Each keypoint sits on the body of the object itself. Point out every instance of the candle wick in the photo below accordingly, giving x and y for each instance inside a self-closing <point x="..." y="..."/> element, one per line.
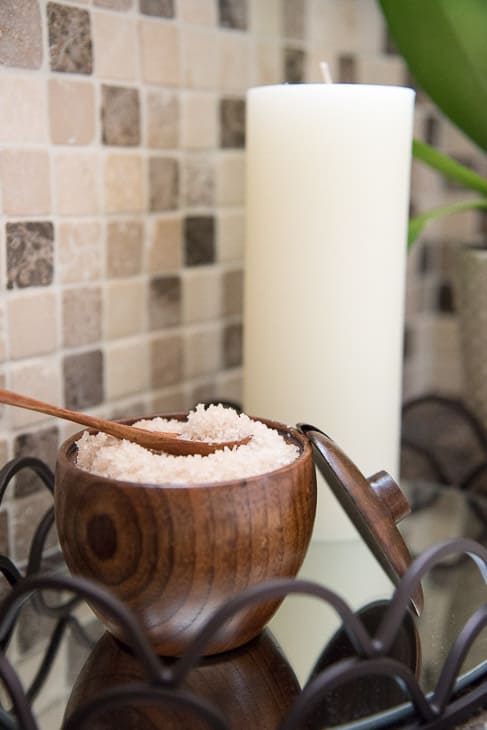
<point x="325" y="70"/>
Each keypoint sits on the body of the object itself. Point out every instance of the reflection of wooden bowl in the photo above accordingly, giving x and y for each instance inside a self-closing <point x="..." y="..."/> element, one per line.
<point x="173" y="554"/>
<point x="253" y="687"/>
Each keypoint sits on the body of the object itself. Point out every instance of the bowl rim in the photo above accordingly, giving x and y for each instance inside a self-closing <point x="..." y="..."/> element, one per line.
<point x="66" y="450"/>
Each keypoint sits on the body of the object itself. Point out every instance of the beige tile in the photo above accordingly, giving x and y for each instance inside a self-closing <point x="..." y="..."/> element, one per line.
<point x="32" y="322"/>
<point x="79" y="248"/>
<point x="230" y="236"/>
<point x="229" y="386"/>
<point x="199" y="120"/>
<point x="202" y="351"/>
<point x="25" y="181"/>
<point x="82" y="315"/>
<point x="198" y="181"/>
<point x="166" y="360"/>
<point x="230" y="178"/>
<point x="267" y="68"/>
<point x="125" y="307"/>
<point x="159" y="52"/>
<point x="172" y="402"/>
<point x="265" y="17"/>
<point x="374" y="69"/>
<point x="21" y="38"/>
<point x="115" y="46"/>
<point x="162" y="119"/>
<point x="165" y="251"/>
<point x="201" y="295"/>
<point x="234" y="61"/>
<point x="76" y="183"/>
<point x="71" y="111"/>
<point x="125" y="241"/>
<point x="41" y="379"/>
<point x="3" y="335"/>
<point x="124" y="183"/>
<point x="200" y="58"/>
<point x="197" y="12"/>
<point x="23" y="117"/>
<point x="127" y="368"/>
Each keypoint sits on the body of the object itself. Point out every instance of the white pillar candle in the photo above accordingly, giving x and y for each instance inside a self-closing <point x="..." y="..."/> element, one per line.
<point x="328" y="179"/>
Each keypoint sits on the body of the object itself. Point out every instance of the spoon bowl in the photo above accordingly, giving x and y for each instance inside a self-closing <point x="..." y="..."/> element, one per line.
<point x="153" y="440"/>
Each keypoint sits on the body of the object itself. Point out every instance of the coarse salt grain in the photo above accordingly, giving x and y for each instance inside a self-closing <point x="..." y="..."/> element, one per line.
<point x="266" y="451"/>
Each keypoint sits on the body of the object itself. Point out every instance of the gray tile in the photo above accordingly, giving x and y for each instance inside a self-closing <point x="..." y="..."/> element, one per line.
<point x="232" y="122"/>
<point x="114" y="4"/>
<point x="70" y="44"/>
<point x="83" y="379"/>
<point x="165" y="302"/>
<point x="293" y="19"/>
<point x="41" y="444"/>
<point x="294" y="65"/>
<point x="82" y="316"/>
<point x="166" y="361"/>
<point x="21" y="37"/>
<point x="347" y="69"/>
<point x="157" y="8"/>
<point x="232" y="345"/>
<point x="233" y="14"/>
<point x="33" y="628"/>
<point x="30" y="254"/>
<point x="4" y="541"/>
<point x="77" y="652"/>
<point x="233" y="292"/>
<point x="199" y="240"/>
<point x="163" y="183"/>
<point x="120" y="115"/>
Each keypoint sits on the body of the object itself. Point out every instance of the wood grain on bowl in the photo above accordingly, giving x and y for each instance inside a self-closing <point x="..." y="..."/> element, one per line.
<point x="174" y="554"/>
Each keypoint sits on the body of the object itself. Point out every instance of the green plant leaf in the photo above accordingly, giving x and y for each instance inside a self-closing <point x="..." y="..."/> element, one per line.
<point x="444" y="43"/>
<point x="417" y="223"/>
<point x="449" y="168"/>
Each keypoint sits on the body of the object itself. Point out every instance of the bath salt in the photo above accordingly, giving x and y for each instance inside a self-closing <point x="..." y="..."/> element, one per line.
<point x="119" y="459"/>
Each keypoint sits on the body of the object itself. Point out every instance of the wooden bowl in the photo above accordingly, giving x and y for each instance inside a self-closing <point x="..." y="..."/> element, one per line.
<point x="174" y="553"/>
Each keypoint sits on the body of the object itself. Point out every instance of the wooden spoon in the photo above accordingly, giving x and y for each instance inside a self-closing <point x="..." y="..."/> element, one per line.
<point x="155" y="440"/>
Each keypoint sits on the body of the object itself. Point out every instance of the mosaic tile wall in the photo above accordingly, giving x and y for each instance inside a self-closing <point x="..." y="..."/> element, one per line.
<point x="122" y="134"/>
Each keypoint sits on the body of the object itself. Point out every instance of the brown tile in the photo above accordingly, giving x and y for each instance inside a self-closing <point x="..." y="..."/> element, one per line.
<point x="232" y="122"/>
<point x="163" y="183"/>
<point x="232" y="345"/>
<point x="70" y="47"/>
<point x="76" y="175"/>
<point x="166" y="360"/>
<point x="165" y="252"/>
<point x="71" y="111"/>
<point x="157" y="8"/>
<point x="114" y="4"/>
<point x="115" y="46"/>
<point x="120" y="116"/>
<point x="199" y="240"/>
<point x="125" y="240"/>
<point x="79" y="248"/>
<point x="233" y="292"/>
<point x="124" y="183"/>
<point x="198" y="182"/>
<point x="21" y="38"/>
<point x="294" y="65"/>
<point x="159" y="52"/>
<point x="164" y="302"/>
<point x="32" y="319"/>
<point x="25" y="179"/>
<point x="347" y="69"/>
<point x="43" y="445"/>
<point x="23" y="117"/>
<point x="83" y="379"/>
<point x="30" y="254"/>
<point x="4" y="541"/>
<point x="162" y="119"/>
<point x="82" y="313"/>
<point x="4" y="452"/>
<point x="233" y="14"/>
